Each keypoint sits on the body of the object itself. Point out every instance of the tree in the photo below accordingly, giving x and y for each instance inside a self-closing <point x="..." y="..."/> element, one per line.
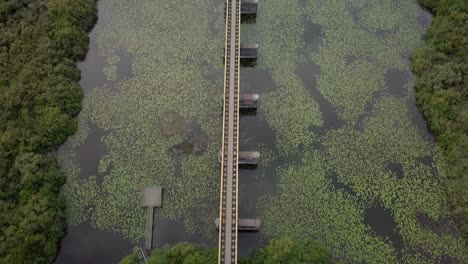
<point x="441" y="68"/>
<point x="278" y="251"/>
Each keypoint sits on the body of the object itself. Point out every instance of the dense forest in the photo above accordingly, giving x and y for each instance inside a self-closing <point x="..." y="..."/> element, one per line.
<point x="441" y="68"/>
<point x="40" y="41"/>
<point x="278" y="250"/>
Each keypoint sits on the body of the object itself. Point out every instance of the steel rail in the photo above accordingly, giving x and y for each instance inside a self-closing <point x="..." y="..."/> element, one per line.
<point x="229" y="162"/>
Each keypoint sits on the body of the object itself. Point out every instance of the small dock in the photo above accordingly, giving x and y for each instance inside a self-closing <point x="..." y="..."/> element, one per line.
<point x="245" y="225"/>
<point x="150" y="198"/>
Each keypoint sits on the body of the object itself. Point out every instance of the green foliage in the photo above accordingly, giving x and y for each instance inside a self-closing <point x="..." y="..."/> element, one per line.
<point x="184" y="253"/>
<point x="441" y="67"/>
<point x="278" y="250"/>
<point x="131" y="259"/>
<point x="39" y="99"/>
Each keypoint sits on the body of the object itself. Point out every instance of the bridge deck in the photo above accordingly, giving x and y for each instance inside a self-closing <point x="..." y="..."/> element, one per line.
<point x="229" y="173"/>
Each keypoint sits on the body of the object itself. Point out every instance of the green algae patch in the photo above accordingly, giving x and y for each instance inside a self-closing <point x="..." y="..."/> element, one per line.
<point x="146" y="115"/>
<point x="378" y="34"/>
<point x="379" y="154"/>
<point x="360" y="159"/>
<point x="308" y="206"/>
<point x="289" y="110"/>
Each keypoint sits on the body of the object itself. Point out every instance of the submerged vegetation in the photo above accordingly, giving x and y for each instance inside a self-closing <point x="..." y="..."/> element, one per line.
<point x="278" y="250"/>
<point x="441" y="67"/>
<point x="39" y="99"/>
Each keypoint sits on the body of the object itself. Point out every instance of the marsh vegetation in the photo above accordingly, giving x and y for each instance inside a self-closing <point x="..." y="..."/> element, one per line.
<point x="331" y="181"/>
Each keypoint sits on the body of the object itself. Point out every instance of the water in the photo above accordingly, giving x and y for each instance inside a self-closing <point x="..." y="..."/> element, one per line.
<point x="337" y="125"/>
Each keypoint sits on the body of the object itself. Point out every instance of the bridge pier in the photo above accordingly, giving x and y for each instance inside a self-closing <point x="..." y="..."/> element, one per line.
<point x="244" y="224"/>
<point x="247" y="101"/>
<point x="248" y="54"/>
<point x="246" y="159"/>
<point x="248" y="8"/>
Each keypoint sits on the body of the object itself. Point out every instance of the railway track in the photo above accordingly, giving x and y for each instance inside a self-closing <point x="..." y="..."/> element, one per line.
<point x="230" y="142"/>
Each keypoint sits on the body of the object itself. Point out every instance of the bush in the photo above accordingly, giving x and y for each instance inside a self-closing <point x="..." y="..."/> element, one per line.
<point x="279" y="250"/>
<point x="441" y="68"/>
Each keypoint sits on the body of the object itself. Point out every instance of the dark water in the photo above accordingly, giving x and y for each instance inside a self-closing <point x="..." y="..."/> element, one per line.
<point x="94" y="149"/>
<point x="85" y="244"/>
<point x="331" y="120"/>
<point x="382" y="223"/>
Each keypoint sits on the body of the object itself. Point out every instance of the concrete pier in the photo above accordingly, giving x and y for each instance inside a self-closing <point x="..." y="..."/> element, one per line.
<point x="245" y="157"/>
<point x="245" y="225"/>
<point x="247" y="101"/>
<point x="248" y="51"/>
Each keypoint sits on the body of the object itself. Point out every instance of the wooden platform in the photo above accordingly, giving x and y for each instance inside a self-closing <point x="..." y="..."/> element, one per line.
<point x="150" y="197"/>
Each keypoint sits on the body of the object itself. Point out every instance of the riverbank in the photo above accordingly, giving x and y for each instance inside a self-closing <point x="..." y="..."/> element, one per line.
<point x="441" y="87"/>
<point x="40" y="41"/>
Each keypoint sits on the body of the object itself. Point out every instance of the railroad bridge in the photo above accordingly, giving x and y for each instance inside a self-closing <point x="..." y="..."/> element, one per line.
<point x="230" y="157"/>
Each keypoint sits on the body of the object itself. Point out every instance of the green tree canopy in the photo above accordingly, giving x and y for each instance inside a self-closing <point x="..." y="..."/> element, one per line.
<point x="278" y="251"/>
<point x="441" y="68"/>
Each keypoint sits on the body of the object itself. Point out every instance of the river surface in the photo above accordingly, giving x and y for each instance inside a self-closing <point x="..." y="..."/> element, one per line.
<point x="346" y="157"/>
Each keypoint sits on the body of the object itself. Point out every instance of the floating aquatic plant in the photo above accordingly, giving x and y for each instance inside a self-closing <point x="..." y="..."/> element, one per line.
<point x="175" y="47"/>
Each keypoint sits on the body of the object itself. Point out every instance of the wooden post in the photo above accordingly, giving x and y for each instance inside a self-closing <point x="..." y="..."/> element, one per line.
<point x="149" y="229"/>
